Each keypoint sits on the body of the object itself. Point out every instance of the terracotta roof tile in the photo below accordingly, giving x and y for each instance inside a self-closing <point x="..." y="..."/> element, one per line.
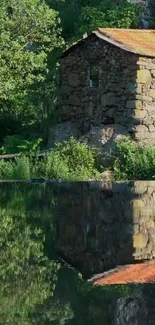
<point x="134" y="273"/>
<point x="139" y="41"/>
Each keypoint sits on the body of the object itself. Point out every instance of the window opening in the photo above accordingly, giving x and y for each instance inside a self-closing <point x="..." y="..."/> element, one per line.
<point x="94" y="75"/>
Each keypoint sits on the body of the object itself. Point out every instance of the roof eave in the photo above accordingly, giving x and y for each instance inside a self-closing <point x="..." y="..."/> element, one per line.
<point x="118" y="44"/>
<point x="105" y="38"/>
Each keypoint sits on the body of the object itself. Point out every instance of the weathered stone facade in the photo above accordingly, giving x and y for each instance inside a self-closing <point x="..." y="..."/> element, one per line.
<point x="126" y="92"/>
<point x="100" y="226"/>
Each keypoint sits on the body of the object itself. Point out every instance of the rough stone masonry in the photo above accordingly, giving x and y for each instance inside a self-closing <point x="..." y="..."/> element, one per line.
<point x="125" y="98"/>
<point x="100" y="225"/>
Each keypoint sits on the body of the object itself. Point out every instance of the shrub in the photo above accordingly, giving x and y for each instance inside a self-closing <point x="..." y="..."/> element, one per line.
<point x="72" y="160"/>
<point x="18" y="169"/>
<point x="55" y="166"/>
<point x="6" y="169"/>
<point x="22" y="168"/>
<point x="133" y="161"/>
<point x="17" y="144"/>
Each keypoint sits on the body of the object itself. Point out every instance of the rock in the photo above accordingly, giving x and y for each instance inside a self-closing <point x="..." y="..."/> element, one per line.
<point x="106" y="176"/>
<point x="151" y="128"/>
<point x="134" y="104"/>
<point x="131" y="87"/>
<point x="143" y="97"/>
<point x="153" y="72"/>
<point x="144" y="76"/>
<point x="150" y="108"/>
<point x="150" y="223"/>
<point x="138" y="204"/>
<point x="137" y="113"/>
<point x="104" y="137"/>
<point x="140" y="241"/>
<point x="60" y="132"/>
<point x="74" y="100"/>
<point x="73" y="79"/>
<point x="152" y="93"/>
<point x="141" y="129"/>
<point x="110" y="112"/>
<point x="108" y="99"/>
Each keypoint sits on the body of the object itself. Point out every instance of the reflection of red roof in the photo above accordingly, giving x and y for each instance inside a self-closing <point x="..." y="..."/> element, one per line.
<point x="138" y="41"/>
<point x="135" y="273"/>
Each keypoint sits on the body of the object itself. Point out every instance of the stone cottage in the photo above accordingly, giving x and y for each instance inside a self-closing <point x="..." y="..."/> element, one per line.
<point x="107" y="80"/>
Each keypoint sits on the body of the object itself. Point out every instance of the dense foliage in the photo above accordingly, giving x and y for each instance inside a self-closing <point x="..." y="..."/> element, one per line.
<point x="78" y="17"/>
<point x="133" y="161"/>
<point x="75" y="161"/>
<point x="67" y="161"/>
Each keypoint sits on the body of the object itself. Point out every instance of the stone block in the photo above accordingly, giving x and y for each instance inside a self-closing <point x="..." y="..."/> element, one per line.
<point x="152" y="93"/>
<point x="150" y="107"/>
<point x="73" y="79"/>
<point x="110" y="112"/>
<point x="153" y="73"/>
<point x="150" y="224"/>
<point x="144" y="76"/>
<point x="108" y="99"/>
<point x="137" y="113"/>
<point x="143" y="97"/>
<point x="151" y="128"/>
<point x="138" y="204"/>
<point x="141" y="128"/>
<point x="131" y="87"/>
<point x="74" y="100"/>
<point x="140" y="241"/>
<point x="139" y="89"/>
<point x="134" y="104"/>
<point x="147" y="65"/>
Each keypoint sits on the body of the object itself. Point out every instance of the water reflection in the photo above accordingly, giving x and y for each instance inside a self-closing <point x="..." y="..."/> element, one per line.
<point x="36" y="285"/>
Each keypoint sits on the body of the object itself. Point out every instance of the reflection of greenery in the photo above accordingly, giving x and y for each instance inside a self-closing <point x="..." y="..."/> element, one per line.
<point x="25" y="273"/>
<point x="34" y="287"/>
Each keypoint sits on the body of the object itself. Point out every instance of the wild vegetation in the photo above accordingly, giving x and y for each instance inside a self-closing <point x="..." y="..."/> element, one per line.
<point x="75" y="161"/>
<point x="28" y="87"/>
<point x="67" y="161"/>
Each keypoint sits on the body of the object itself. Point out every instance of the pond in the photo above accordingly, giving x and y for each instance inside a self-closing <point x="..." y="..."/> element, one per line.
<point x="38" y="285"/>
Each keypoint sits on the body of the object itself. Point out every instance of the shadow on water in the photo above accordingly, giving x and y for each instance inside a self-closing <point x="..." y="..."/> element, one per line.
<point x="40" y="221"/>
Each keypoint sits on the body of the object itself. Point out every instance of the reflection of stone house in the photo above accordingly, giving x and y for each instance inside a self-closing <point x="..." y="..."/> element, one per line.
<point x="109" y="78"/>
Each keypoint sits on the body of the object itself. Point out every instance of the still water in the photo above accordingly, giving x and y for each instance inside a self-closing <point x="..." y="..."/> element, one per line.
<point x="37" y="285"/>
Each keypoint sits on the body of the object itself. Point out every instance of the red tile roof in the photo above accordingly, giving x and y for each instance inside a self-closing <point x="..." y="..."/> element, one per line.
<point x="134" y="273"/>
<point x="139" y="41"/>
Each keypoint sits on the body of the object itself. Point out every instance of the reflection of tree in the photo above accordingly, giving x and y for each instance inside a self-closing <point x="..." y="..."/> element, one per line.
<point x="27" y="277"/>
<point x="34" y="288"/>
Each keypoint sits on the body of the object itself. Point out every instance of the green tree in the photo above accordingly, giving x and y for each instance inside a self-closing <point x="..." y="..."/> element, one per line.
<point x="109" y="14"/>
<point x="78" y="17"/>
<point x="29" y="31"/>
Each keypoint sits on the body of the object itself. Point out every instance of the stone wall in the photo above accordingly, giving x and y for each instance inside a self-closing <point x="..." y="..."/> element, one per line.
<point x="126" y="92"/>
<point x="103" y="225"/>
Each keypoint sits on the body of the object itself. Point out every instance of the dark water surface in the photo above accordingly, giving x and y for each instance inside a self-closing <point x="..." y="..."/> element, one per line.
<point x="36" y="285"/>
